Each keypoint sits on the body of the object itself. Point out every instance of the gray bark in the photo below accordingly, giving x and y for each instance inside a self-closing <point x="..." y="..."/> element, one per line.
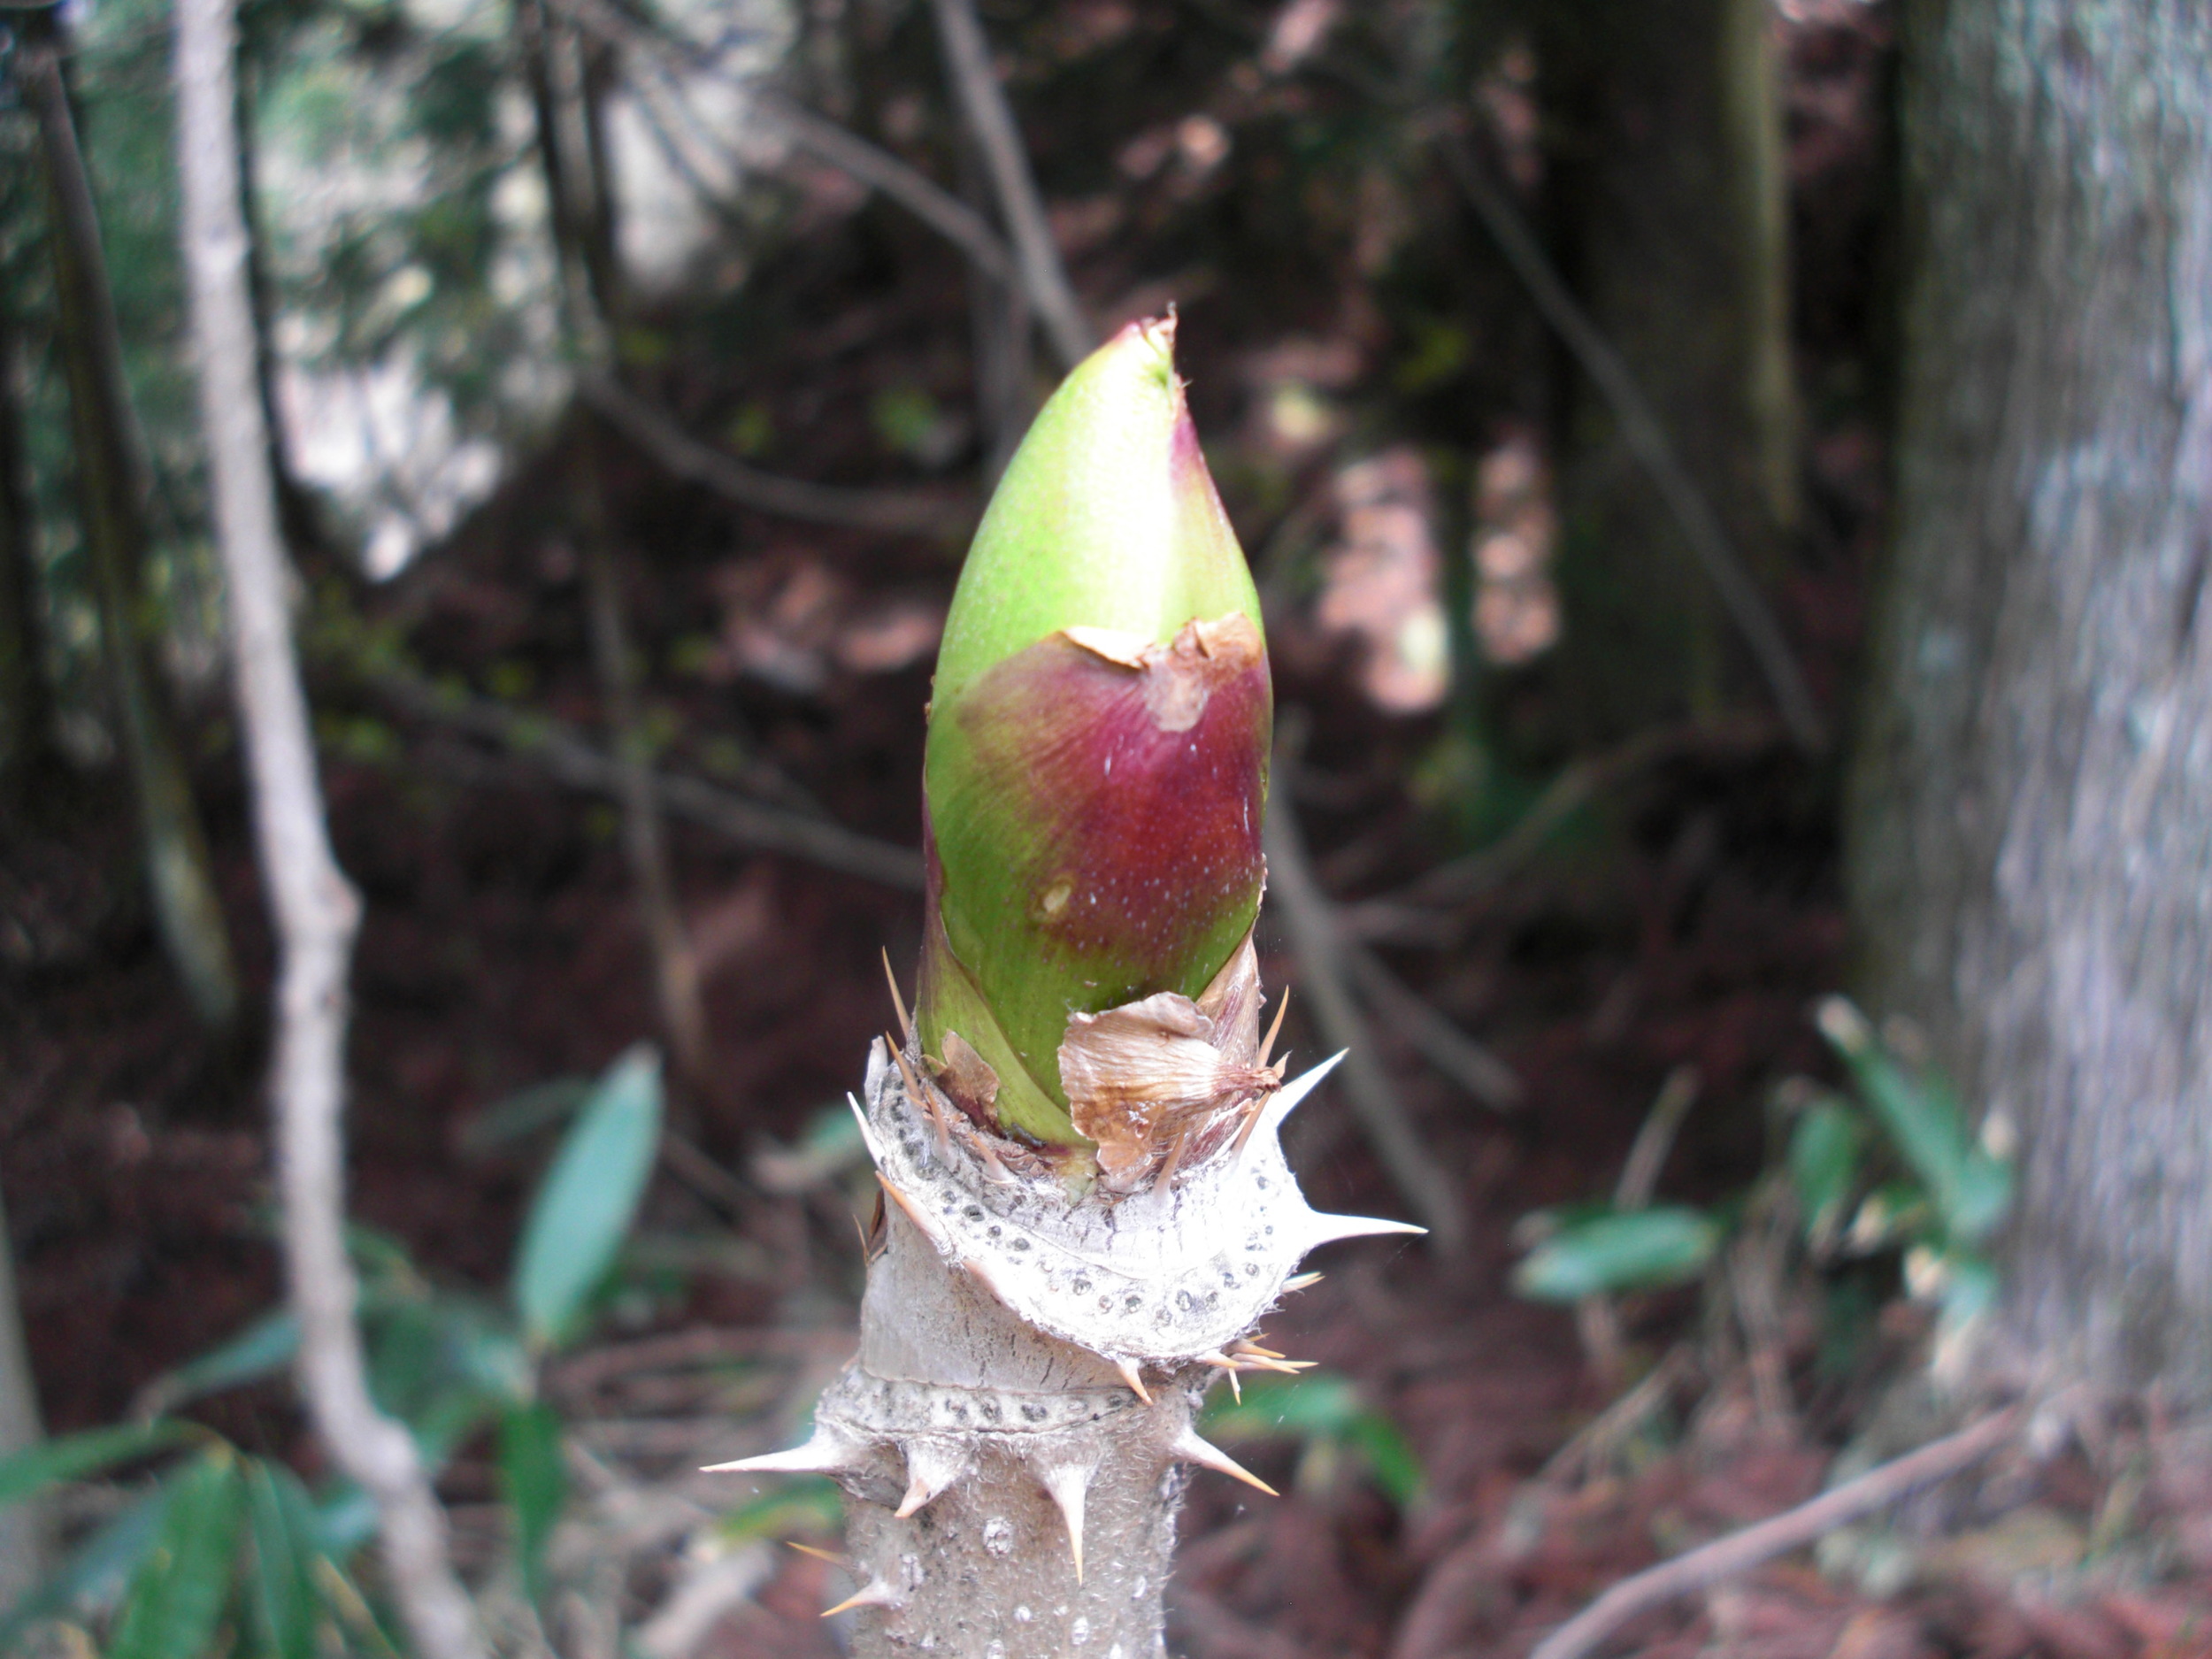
<point x="1666" y="175"/>
<point x="314" y="908"/>
<point x="1011" y="1475"/>
<point x="2030" y="850"/>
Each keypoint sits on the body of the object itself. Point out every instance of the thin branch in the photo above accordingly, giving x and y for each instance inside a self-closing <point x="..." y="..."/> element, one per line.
<point x="1725" y="1558"/>
<point x="824" y="139"/>
<point x="1310" y="921"/>
<point x="1646" y="438"/>
<point x="1576" y="786"/>
<point x="561" y="753"/>
<point x="921" y="195"/>
<point x="315" y="910"/>
<point x="975" y="83"/>
<point x="1442" y="1044"/>
<point x="679" y="453"/>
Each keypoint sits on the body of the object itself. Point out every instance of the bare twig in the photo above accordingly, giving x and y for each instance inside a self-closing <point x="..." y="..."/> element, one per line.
<point x="582" y="225"/>
<point x="1442" y="1044"/>
<point x="1310" y="920"/>
<point x="1480" y="873"/>
<point x="679" y="453"/>
<point x="918" y="194"/>
<point x="824" y="139"/>
<point x="968" y="58"/>
<point x="1740" y="1551"/>
<point x="1597" y="1317"/>
<point x="1641" y="431"/>
<point x="1640" y="1172"/>
<point x="557" y="751"/>
<point x="315" y="910"/>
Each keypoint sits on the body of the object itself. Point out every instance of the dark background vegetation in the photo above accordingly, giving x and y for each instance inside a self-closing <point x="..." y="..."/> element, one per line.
<point x="1339" y="300"/>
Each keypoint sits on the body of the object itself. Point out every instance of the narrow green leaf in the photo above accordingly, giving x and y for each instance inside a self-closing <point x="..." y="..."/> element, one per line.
<point x="287" y="1606"/>
<point x="1294" y="1408"/>
<point x="1823" y="1160"/>
<point x="181" y="1587"/>
<point x="590" y="1198"/>
<point x="262" y="1350"/>
<point x="533" y="1482"/>
<point x="78" y="1457"/>
<point x="1390" y="1457"/>
<point x="1638" y="1249"/>
<point x="94" y="1577"/>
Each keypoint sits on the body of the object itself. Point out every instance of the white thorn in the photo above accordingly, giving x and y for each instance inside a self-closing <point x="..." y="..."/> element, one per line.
<point x="1300" y="1281"/>
<point x="867" y="1132"/>
<point x="826" y="1453"/>
<point x="1284" y="1099"/>
<point x="930" y="1467"/>
<point x="923" y="1222"/>
<point x="875" y="1593"/>
<point x="984" y="1276"/>
<point x="1323" y="1229"/>
<point x="1191" y="1449"/>
<point x="1068" y="1484"/>
<point x="1131" y="1375"/>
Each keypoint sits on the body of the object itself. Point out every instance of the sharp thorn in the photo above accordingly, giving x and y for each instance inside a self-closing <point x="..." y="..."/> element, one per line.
<point x="980" y="1270"/>
<point x="1301" y="1281"/>
<point x="1068" y="1485"/>
<point x="875" y="1593"/>
<point x="1192" y="1449"/>
<point x="930" y="1469"/>
<point x="1284" y="1099"/>
<point x="1323" y="1229"/>
<point x="1236" y="1386"/>
<point x="1273" y="1030"/>
<point x="1174" y="1158"/>
<point x="824" y="1453"/>
<point x="906" y="1023"/>
<point x="842" y="1562"/>
<point x="1129" y="1374"/>
<point x="913" y="1211"/>
<point x="1248" y="1346"/>
<point x="926" y="1101"/>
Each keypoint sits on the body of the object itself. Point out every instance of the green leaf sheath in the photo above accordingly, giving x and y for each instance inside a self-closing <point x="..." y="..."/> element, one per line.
<point x="590" y="1196"/>
<point x="79" y="1457"/>
<point x="184" y="1583"/>
<point x="1097" y="762"/>
<point x="534" y="1483"/>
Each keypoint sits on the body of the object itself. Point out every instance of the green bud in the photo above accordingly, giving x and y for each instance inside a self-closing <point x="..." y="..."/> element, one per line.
<point x="1098" y="742"/>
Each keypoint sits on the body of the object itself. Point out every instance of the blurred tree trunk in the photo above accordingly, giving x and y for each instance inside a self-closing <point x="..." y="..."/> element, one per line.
<point x="2030" y="850"/>
<point x="23" y="1526"/>
<point x="114" y="484"/>
<point x="1663" y="144"/>
<point x="564" y="84"/>
<point x="27" y="711"/>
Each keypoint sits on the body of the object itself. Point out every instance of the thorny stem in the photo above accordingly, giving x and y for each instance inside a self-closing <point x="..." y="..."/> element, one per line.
<point x="315" y="910"/>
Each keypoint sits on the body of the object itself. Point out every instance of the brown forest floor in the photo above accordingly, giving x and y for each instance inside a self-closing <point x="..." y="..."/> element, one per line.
<point x="1692" y="923"/>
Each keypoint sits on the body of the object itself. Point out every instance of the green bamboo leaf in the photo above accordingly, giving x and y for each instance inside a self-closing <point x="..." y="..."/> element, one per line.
<point x="94" y="1577"/>
<point x="79" y="1457"/>
<point x="178" y="1594"/>
<point x="1823" y="1159"/>
<point x="287" y="1607"/>
<point x="534" y="1484"/>
<point x="262" y="1350"/>
<point x="1639" y="1249"/>
<point x="590" y="1198"/>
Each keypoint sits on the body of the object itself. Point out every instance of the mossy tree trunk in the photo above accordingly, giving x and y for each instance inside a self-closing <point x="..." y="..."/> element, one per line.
<point x="2030" y="859"/>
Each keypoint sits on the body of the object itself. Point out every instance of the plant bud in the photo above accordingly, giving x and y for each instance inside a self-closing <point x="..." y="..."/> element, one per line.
<point x="1098" y="743"/>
